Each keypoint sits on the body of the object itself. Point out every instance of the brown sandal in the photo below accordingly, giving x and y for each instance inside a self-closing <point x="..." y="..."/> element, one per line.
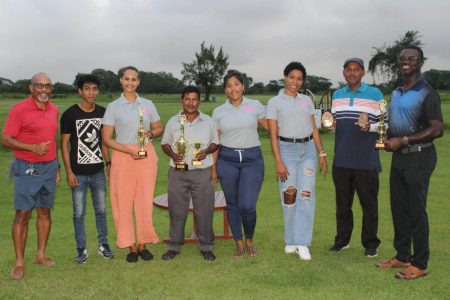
<point x="252" y="251"/>
<point x="17" y="272"/>
<point x="239" y="253"/>
<point x="411" y="272"/>
<point x="392" y="263"/>
<point x="44" y="261"/>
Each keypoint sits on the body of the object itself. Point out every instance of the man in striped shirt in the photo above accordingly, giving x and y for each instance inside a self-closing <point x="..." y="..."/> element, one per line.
<point x="356" y="161"/>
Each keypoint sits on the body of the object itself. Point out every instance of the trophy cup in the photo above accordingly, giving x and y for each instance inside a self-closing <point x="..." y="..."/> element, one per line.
<point x="142" y="135"/>
<point x="382" y="128"/>
<point x="181" y="145"/>
<point x="327" y="120"/>
<point x="197" y="146"/>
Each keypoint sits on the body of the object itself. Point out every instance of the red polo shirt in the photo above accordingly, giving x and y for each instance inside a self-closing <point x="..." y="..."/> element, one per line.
<point x="29" y="124"/>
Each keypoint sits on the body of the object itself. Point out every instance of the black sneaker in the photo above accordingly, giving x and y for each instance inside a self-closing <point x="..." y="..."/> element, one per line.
<point x="208" y="255"/>
<point x="371" y="252"/>
<point x="132" y="257"/>
<point x="105" y="251"/>
<point x="338" y="247"/>
<point x="82" y="255"/>
<point x="146" y="254"/>
<point x="170" y="254"/>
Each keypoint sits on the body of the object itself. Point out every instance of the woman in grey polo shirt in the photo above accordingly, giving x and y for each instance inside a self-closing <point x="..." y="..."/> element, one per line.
<point x="133" y="176"/>
<point x="295" y="140"/>
<point x="240" y="165"/>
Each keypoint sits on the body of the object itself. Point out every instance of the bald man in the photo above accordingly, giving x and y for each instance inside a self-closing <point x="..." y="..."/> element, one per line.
<point x="30" y="131"/>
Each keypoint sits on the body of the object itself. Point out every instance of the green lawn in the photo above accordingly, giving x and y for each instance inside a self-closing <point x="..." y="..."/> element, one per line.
<point x="346" y="275"/>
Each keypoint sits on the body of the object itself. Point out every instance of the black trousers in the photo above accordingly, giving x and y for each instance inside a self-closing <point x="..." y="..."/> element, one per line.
<point x="409" y="181"/>
<point x="366" y="184"/>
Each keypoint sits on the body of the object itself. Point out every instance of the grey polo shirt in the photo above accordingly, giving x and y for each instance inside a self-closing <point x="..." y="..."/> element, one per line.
<point x="202" y="129"/>
<point x="292" y="113"/>
<point x="124" y="116"/>
<point x="238" y="124"/>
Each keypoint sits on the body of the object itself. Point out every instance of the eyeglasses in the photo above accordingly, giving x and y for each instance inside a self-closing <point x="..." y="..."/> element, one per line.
<point x="408" y="59"/>
<point x="41" y="86"/>
<point x="31" y="171"/>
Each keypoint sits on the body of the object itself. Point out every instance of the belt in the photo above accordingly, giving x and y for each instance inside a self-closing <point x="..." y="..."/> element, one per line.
<point x="415" y="148"/>
<point x="308" y="138"/>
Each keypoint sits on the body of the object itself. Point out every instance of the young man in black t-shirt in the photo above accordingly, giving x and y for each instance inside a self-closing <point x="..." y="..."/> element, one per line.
<point x="84" y="153"/>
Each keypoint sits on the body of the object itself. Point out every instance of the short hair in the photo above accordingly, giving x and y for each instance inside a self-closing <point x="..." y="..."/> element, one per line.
<point x="122" y="70"/>
<point x="87" y="78"/>
<point x="190" y="89"/>
<point x="233" y="73"/>
<point x="417" y="48"/>
<point x="37" y="75"/>
<point x="295" y="65"/>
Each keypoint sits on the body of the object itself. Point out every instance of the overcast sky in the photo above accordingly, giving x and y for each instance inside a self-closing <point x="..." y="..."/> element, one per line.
<point x="65" y="37"/>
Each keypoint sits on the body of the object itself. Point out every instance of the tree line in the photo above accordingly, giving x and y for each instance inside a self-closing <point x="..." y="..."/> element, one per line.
<point x="208" y="67"/>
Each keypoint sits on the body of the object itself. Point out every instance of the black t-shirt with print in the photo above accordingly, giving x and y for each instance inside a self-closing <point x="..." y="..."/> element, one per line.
<point x="85" y="138"/>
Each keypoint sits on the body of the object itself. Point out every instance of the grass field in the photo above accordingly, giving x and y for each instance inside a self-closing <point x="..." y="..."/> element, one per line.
<point x="271" y="275"/>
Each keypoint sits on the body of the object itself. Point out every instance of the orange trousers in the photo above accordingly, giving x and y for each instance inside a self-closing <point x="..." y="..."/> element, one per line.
<point x="132" y="185"/>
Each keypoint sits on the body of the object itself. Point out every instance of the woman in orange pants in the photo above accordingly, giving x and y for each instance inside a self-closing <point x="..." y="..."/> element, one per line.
<point x="133" y="174"/>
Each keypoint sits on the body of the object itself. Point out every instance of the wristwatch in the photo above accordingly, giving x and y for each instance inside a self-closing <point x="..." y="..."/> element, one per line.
<point x="405" y="141"/>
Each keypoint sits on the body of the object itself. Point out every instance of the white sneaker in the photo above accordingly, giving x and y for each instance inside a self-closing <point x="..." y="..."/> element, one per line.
<point x="303" y="253"/>
<point x="290" y="249"/>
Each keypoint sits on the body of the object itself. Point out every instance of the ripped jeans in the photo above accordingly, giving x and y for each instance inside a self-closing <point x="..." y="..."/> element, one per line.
<point x="301" y="162"/>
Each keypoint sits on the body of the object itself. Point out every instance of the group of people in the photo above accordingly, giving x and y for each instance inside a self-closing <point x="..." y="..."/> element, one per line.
<point x="227" y="150"/>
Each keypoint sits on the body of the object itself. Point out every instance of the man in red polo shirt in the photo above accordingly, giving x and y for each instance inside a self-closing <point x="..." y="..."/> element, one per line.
<point x="30" y="131"/>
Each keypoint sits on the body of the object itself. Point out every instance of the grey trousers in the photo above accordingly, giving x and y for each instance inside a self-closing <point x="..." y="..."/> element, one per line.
<point x="181" y="187"/>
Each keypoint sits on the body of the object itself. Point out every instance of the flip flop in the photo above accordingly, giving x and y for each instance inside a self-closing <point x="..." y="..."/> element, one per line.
<point x="411" y="272"/>
<point x="44" y="261"/>
<point x="17" y="272"/>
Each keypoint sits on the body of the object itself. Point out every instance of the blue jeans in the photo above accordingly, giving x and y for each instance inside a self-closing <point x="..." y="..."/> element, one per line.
<point x="241" y="174"/>
<point x="97" y="184"/>
<point x="301" y="162"/>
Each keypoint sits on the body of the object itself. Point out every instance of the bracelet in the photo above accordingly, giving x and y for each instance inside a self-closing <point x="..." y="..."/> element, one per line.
<point x="322" y="153"/>
<point x="151" y="134"/>
<point x="107" y="163"/>
<point x="33" y="147"/>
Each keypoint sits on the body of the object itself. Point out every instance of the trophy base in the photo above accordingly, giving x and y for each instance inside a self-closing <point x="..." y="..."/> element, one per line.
<point x="379" y="146"/>
<point x="181" y="167"/>
<point x="142" y="153"/>
<point x="197" y="163"/>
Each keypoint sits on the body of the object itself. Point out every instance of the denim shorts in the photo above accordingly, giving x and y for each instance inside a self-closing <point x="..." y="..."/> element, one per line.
<point x="34" y="184"/>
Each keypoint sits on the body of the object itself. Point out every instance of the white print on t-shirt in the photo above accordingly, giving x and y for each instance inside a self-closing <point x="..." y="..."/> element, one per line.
<point x="88" y="133"/>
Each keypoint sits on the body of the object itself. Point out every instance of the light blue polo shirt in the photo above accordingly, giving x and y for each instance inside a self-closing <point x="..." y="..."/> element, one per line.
<point x="292" y="113"/>
<point x="202" y="129"/>
<point x="238" y="124"/>
<point x="124" y="116"/>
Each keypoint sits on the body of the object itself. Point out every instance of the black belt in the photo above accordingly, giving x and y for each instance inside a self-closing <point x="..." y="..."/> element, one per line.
<point x="415" y="148"/>
<point x="306" y="139"/>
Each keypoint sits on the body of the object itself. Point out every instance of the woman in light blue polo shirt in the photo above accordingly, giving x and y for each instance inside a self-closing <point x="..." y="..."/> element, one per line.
<point x="295" y="140"/>
<point x="240" y="165"/>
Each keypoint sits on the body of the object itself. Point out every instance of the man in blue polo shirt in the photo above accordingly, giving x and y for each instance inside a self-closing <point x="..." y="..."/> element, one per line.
<point x="415" y="121"/>
<point x="356" y="162"/>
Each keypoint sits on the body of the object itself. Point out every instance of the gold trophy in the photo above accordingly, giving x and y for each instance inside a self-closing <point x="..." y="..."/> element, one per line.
<point x="142" y="134"/>
<point x="382" y="128"/>
<point x="181" y="145"/>
<point x="197" y="146"/>
<point x="327" y="120"/>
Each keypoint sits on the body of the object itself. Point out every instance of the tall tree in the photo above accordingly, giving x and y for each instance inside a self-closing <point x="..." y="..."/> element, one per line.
<point x="384" y="61"/>
<point x="206" y="69"/>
